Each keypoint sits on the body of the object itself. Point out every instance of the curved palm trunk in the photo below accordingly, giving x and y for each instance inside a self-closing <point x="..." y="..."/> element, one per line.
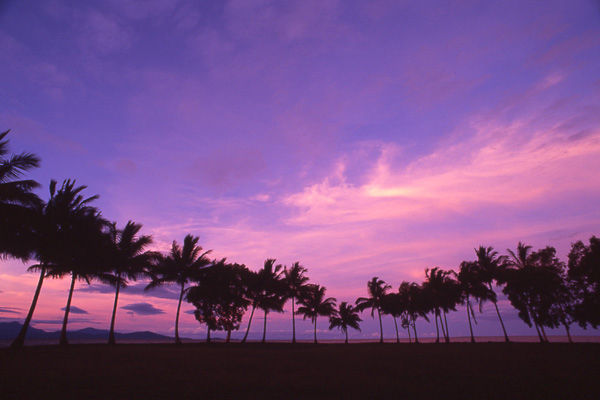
<point x="536" y="326"/>
<point x="249" y="322"/>
<point x="415" y="330"/>
<point x="506" y="339"/>
<point x="20" y="339"/>
<point x="568" y="332"/>
<point x="447" y="332"/>
<point x="315" y="322"/>
<point x="437" y="329"/>
<point x="469" y="311"/>
<point x="264" y="339"/>
<point x="111" y="334"/>
<point x="293" y="322"/>
<point x="442" y="326"/>
<point x="380" y="326"/>
<point x="63" y="332"/>
<point x="544" y="333"/>
<point x="177" y="340"/>
<point x="409" y="338"/>
<point x="397" y="334"/>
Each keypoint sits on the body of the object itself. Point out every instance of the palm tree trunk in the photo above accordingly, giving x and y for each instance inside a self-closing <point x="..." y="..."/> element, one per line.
<point x="177" y="340"/>
<point x="469" y="316"/>
<point x="544" y="333"/>
<point x="437" y="328"/>
<point x="249" y="322"/>
<point x="415" y="330"/>
<point x="380" y="326"/>
<point x="506" y="339"/>
<point x="347" y="336"/>
<point x="208" y="335"/>
<point x="228" y="339"/>
<point x="264" y="339"/>
<point x="568" y="332"/>
<point x="447" y="332"/>
<point x="293" y="322"/>
<point x="63" y="332"/>
<point x="111" y="334"/>
<point x="315" y="330"/>
<point x="20" y="339"/>
<point x="408" y="330"/>
<point x="397" y="334"/>
<point x="536" y="326"/>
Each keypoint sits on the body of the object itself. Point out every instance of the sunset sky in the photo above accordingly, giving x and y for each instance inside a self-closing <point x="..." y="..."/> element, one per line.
<point x="361" y="138"/>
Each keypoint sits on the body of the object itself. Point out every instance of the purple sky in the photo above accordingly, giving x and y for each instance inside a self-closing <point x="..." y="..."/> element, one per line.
<point x="360" y="138"/>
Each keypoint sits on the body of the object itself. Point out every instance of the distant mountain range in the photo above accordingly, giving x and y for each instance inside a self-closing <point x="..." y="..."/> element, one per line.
<point x="10" y="330"/>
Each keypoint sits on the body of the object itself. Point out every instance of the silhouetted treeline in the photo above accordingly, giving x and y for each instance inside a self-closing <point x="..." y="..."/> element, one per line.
<point x="66" y="235"/>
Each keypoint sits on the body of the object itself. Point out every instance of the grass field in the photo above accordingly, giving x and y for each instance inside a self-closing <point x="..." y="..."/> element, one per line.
<point x="303" y="371"/>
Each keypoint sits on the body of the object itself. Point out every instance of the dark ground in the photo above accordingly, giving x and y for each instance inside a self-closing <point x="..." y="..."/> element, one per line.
<point x="303" y="371"/>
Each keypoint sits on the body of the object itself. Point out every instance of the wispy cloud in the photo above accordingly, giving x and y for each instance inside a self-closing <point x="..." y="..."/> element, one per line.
<point x="143" y="309"/>
<point x="75" y="310"/>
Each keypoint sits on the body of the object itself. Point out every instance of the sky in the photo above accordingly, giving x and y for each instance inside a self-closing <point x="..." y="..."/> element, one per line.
<point x="360" y="138"/>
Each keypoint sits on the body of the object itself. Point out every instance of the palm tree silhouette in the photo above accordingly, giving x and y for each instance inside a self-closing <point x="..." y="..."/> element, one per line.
<point x="376" y="288"/>
<point x="295" y="282"/>
<point x="65" y="231"/>
<point x="472" y="286"/>
<point x="314" y="304"/>
<point x="490" y="266"/>
<point x="128" y="261"/>
<point x="181" y="266"/>
<point x="393" y="304"/>
<point x="16" y="201"/>
<point x="418" y="305"/>
<point x="344" y="318"/>
<point x="272" y="292"/>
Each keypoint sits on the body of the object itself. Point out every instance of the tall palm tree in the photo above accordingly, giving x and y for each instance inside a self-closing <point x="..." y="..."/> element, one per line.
<point x="273" y="291"/>
<point x="314" y="304"/>
<point x="128" y="261"/>
<point x="418" y="304"/>
<point x="394" y="304"/>
<point x="253" y="293"/>
<point x="347" y="317"/>
<point x="376" y="288"/>
<point x="58" y="238"/>
<point x="16" y="201"/>
<point x="444" y="294"/>
<point x="181" y="266"/>
<point x="490" y="267"/>
<point x="295" y="282"/>
<point x="472" y="286"/>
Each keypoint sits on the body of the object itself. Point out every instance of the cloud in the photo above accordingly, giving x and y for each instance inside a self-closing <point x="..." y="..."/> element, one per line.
<point x="96" y="288"/>
<point x="10" y="310"/>
<point x="163" y="292"/>
<point x="75" y="310"/>
<point x="143" y="309"/>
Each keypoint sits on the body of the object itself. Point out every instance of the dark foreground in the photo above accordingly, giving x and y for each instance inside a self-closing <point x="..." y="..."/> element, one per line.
<point x="303" y="371"/>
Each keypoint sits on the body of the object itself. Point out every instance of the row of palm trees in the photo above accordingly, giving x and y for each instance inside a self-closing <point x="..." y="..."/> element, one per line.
<point x="67" y="236"/>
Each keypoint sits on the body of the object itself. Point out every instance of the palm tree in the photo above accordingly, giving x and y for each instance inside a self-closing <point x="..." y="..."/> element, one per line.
<point x="295" y="281"/>
<point x="16" y="201"/>
<point x="182" y="265"/>
<point x="272" y="292"/>
<point x="314" y="304"/>
<point x="394" y="304"/>
<point x="253" y="293"/>
<point x="472" y="286"/>
<point x="376" y="288"/>
<point x="128" y="261"/>
<point x="347" y="317"/>
<point x="58" y="238"/>
<point x="418" y="304"/>
<point x="490" y="267"/>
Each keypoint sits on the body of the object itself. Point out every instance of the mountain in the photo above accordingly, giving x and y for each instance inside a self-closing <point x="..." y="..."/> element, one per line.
<point x="10" y="330"/>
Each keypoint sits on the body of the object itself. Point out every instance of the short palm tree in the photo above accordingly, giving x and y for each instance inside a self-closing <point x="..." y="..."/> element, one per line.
<point x="181" y="266"/>
<point x="295" y="281"/>
<point x="444" y="295"/>
<point x="418" y="304"/>
<point x="346" y="317"/>
<point x="394" y="304"/>
<point x="376" y="288"/>
<point x="314" y="304"/>
<point x="272" y="293"/>
<point x="128" y="261"/>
